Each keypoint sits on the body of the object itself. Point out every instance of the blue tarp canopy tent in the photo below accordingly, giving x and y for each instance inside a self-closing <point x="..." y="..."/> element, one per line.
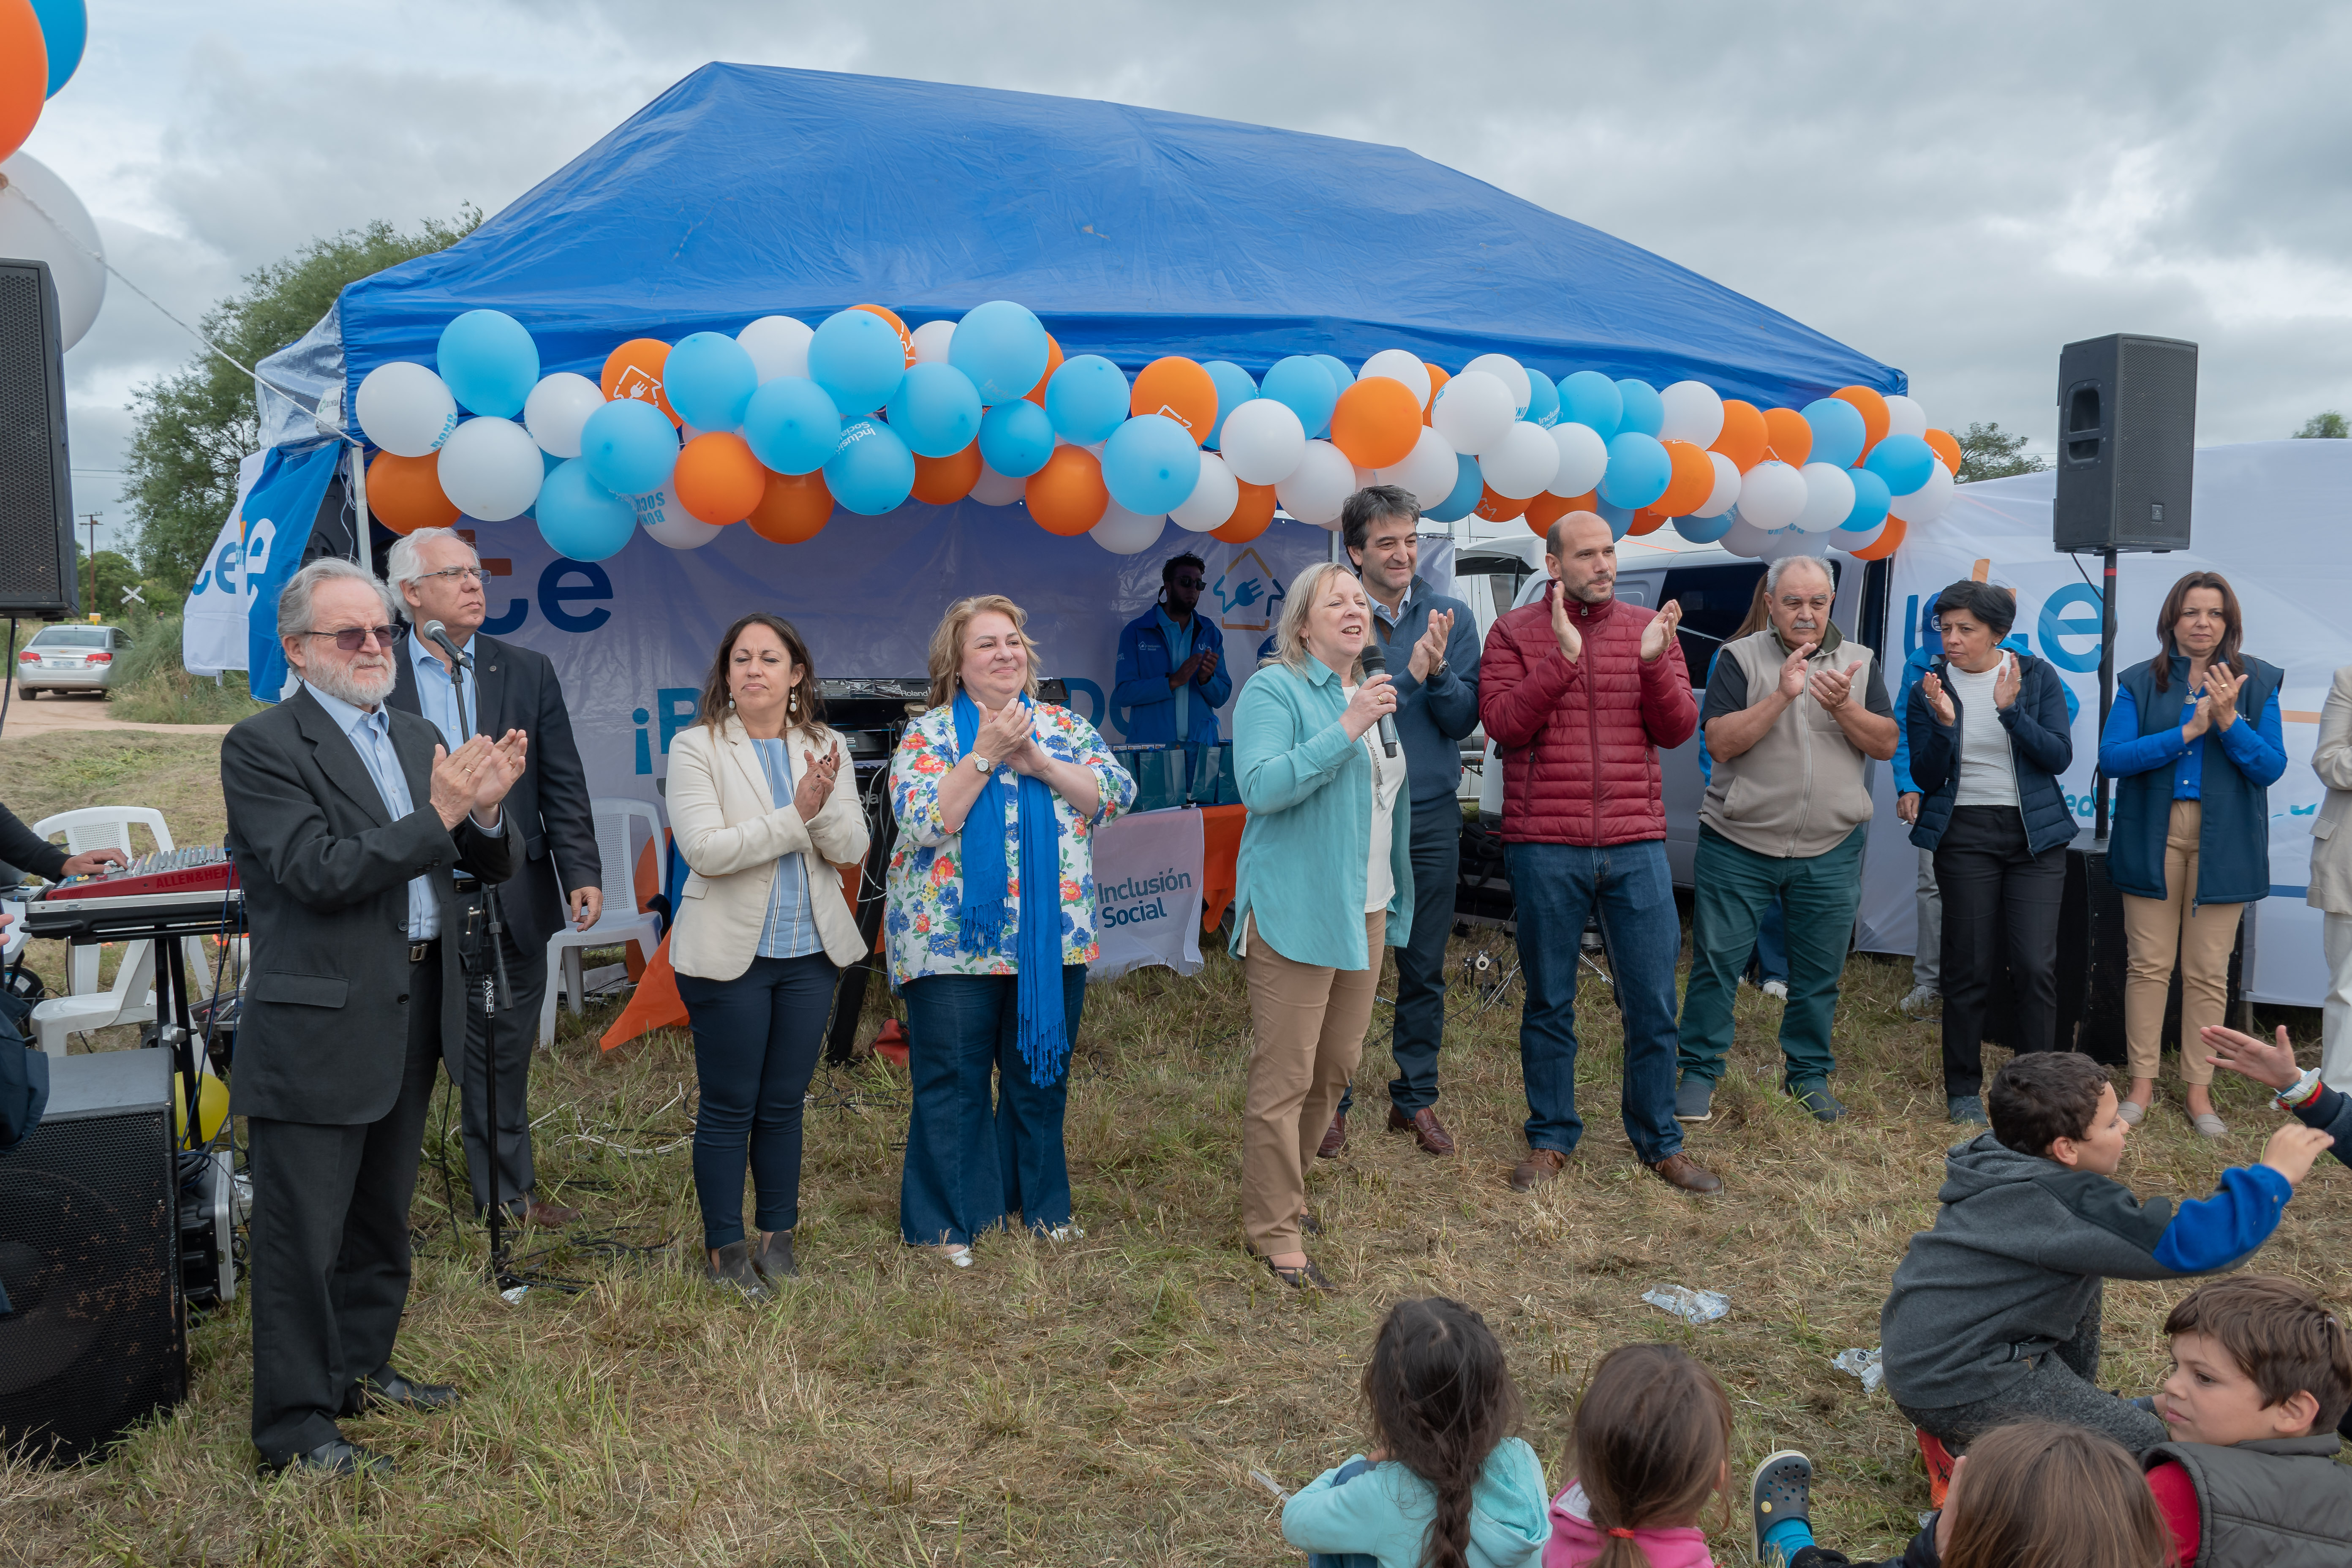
<point x="745" y="191"/>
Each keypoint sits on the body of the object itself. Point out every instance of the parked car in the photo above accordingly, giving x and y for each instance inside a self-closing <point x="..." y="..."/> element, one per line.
<point x="65" y="658"/>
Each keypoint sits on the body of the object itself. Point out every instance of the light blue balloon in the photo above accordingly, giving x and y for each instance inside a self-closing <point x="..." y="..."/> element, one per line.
<point x="1620" y="518"/>
<point x="548" y="463"/>
<point x="1638" y="473"/>
<point x="629" y="446"/>
<point x="1645" y="410"/>
<point x="1016" y="438"/>
<point x="1904" y="462"/>
<point x="1589" y="397"/>
<point x="1150" y="465"/>
<point x="581" y="518"/>
<point x="1342" y="377"/>
<point x="1087" y="399"/>
<point x="709" y="379"/>
<point x="936" y="410"/>
<point x="858" y="359"/>
<point x="1469" y="487"/>
<point x="1838" y="431"/>
<point x="1705" y="530"/>
<point x="1872" y="497"/>
<point x="1235" y="388"/>
<point x="791" y="424"/>
<point x="1543" y="400"/>
<point x="1002" y="348"/>
<point x="871" y="471"/>
<point x="489" y="362"/>
<point x="1304" y="386"/>
<point x="64" y="32"/>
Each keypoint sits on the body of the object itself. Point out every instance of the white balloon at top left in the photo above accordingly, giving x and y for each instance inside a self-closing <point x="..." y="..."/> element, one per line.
<point x="404" y="408"/>
<point x="66" y="244"/>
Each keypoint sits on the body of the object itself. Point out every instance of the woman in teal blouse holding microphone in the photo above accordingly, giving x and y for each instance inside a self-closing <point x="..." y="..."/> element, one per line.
<point x="1323" y="878"/>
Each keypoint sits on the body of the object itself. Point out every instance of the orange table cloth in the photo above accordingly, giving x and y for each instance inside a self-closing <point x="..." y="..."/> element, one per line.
<point x="1221" y="848"/>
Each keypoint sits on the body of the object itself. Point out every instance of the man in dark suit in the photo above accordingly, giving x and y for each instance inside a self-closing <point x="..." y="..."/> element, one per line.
<point x="346" y="820"/>
<point x="438" y="577"/>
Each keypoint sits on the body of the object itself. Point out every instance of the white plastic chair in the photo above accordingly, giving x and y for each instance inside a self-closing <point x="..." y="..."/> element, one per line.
<point x="621" y="922"/>
<point x="100" y="827"/>
<point x="131" y="1000"/>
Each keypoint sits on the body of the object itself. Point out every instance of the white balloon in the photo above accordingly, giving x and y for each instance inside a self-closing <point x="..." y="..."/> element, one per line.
<point x="778" y="345"/>
<point x="79" y="277"/>
<point x="1905" y="417"/>
<point x="931" y="341"/>
<point x="1845" y="540"/>
<point x="1315" y="491"/>
<point x="659" y="514"/>
<point x="1214" y="495"/>
<point x="405" y="409"/>
<point x="1263" y="441"/>
<point x="1771" y="494"/>
<point x="1726" y="488"/>
<point x="1522" y="463"/>
<point x="1829" y="498"/>
<point x="1797" y="542"/>
<point x="1584" y="457"/>
<point x="556" y="409"/>
<point x="993" y="489"/>
<point x="1123" y="532"/>
<point x="1403" y="366"/>
<point x="1694" y="414"/>
<point x="1473" y="411"/>
<point x="1512" y="374"/>
<point x="1744" y="538"/>
<point x="490" y="468"/>
<point x="1429" y="470"/>
<point x="1927" y="503"/>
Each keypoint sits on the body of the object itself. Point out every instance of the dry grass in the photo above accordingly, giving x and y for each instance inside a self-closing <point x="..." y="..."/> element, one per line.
<point x="179" y="775"/>
<point x="1102" y="1403"/>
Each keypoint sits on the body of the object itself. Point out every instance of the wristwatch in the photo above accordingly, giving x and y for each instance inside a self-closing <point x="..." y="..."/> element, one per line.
<point x="980" y="763"/>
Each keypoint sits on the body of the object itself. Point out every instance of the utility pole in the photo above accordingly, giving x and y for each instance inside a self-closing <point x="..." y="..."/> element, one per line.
<point x="91" y="519"/>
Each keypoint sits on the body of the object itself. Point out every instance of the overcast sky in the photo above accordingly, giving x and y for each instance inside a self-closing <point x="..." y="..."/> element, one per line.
<point x="1957" y="193"/>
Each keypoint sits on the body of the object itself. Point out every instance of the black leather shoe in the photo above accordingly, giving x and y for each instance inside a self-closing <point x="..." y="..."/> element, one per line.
<point x="400" y="1393"/>
<point x="333" y="1458"/>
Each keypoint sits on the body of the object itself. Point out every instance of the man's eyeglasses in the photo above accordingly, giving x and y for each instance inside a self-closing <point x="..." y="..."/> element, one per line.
<point x="455" y="574"/>
<point x="351" y="639"/>
<point x="1186" y="583"/>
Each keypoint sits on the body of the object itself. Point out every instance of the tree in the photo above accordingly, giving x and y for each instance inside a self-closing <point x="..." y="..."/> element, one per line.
<point x="2328" y="427"/>
<point x="1989" y="452"/>
<point x="115" y="572"/>
<point x="189" y="430"/>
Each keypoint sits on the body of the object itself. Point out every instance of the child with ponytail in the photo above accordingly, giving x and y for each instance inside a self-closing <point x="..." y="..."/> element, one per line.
<point x="1651" y="1443"/>
<point x="1447" y="1483"/>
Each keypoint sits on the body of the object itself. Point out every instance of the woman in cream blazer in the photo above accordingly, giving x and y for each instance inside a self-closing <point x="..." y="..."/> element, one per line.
<point x="2331" y="878"/>
<point x="765" y="813"/>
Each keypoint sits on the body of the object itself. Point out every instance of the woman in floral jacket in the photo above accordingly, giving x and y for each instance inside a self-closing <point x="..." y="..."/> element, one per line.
<point x="991" y="934"/>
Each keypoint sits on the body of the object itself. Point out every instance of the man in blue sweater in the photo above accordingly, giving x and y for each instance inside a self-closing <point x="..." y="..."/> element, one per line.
<point x="1172" y="675"/>
<point x="1432" y="643"/>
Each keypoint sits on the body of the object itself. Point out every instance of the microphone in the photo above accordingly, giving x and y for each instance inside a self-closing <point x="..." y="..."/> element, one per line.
<point x="435" y="633"/>
<point x="1376" y="663"/>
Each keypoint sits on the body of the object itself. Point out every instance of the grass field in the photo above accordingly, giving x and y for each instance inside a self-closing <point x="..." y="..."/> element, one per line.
<point x="1103" y="1402"/>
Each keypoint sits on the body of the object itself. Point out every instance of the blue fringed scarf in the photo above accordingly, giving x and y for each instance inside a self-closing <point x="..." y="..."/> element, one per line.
<point x="980" y="923"/>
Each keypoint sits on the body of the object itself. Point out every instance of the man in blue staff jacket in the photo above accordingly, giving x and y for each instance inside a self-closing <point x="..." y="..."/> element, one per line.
<point x="1171" y="664"/>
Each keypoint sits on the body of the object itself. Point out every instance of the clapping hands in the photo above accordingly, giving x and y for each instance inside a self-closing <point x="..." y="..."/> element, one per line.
<point x="1659" y="635"/>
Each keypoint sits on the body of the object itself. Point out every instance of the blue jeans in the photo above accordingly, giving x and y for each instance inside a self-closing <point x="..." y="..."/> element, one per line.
<point x="1557" y="886"/>
<point x="968" y="1165"/>
<point x="756" y="1039"/>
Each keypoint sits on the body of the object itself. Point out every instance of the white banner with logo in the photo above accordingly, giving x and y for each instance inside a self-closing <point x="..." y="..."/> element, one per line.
<point x="211" y="627"/>
<point x="2267" y="515"/>
<point x="1147" y="893"/>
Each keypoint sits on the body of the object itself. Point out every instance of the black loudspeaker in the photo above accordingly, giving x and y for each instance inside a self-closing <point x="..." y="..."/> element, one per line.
<point x="37" y="546"/>
<point x="90" y="1250"/>
<point x="2126" y="443"/>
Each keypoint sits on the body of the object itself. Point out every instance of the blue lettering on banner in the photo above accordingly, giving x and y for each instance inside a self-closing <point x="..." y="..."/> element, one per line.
<point x="226" y="566"/>
<point x="645" y="753"/>
<point x="1138" y="899"/>
<point x="1135" y="914"/>
<point x="2057" y="627"/>
<point x="555" y="593"/>
<point x="1079" y="687"/>
<point x="517" y="612"/>
<point x="678" y="706"/>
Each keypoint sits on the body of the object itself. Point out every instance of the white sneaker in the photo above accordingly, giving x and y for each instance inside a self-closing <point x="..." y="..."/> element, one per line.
<point x="1921" y="1003"/>
<point x="959" y="1256"/>
<point x="1066" y="1233"/>
<point x="1777" y="989"/>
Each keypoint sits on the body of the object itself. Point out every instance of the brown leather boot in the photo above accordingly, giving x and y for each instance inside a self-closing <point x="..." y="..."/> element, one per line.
<point x="1679" y="1170"/>
<point x="1541" y="1166"/>
<point x="1335" y="1138"/>
<point x="1426" y="1130"/>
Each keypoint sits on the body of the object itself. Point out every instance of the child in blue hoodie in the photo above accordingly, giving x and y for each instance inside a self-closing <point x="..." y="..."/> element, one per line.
<point x="1446" y="1484"/>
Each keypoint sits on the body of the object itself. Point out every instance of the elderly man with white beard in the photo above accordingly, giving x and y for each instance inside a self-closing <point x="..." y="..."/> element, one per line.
<point x="1791" y="713"/>
<point x="346" y="819"/>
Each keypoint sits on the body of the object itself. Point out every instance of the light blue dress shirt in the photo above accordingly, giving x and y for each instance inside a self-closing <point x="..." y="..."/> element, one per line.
<point x="1179" y="648"/>
<point x="436" y="694"/>
<point x="790" y="929"/>
<point x="371" y="736"/>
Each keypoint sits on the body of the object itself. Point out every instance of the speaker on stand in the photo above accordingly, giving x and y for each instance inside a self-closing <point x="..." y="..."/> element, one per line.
<point x="37" y="560"/>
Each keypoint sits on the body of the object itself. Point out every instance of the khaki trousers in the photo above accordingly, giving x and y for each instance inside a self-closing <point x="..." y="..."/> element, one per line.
<point x="1308" y="1023"/>
<point x="2157" y="930"/>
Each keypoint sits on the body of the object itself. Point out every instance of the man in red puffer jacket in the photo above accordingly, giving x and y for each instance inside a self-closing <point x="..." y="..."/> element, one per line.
<point x="1579" y="692"/>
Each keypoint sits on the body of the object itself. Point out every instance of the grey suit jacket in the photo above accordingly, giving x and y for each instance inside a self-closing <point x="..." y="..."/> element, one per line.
<point x="2331" y="833"/>
<point x="324" y="1030"/>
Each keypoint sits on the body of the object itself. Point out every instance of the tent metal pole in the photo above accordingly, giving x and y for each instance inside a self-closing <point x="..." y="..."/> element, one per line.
<point x="358" y="456"/>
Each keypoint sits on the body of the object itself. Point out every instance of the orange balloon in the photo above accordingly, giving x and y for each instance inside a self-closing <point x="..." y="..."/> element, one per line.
<point x="1067" y="496"/>
<point x="1375" y="423"/>
<point x="405" y="493"/>
<point x="906" y="338"/>
<point x="1873" y="409"/>
<point x="634" y="370"/>
<point x="717" y="480"/>
<point x="23" y="73"/>
<point x="943" y="481"/>
<point x="1745" y="436"/>
<point x="793" y="509"/>
<point x="1791" y="436"/>
<point x="1437" y="380"/>
<point x="1692" y="480"/>
<point x="1497" y="508"/>
<point x="1252" y="515"/>
<point x="1036" y="393"/>
<point x="1649" y="519"/>
<point x="1546" y="510"/>
<point x="1180" y="389"/>
<point x="1886" y="544"/>
<point x="1946" y="449"/>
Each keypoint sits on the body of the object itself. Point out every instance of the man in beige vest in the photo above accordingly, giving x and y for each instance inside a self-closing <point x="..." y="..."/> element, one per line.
<point x="2331" y="878"/>
<point x="1791" y="712"/>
